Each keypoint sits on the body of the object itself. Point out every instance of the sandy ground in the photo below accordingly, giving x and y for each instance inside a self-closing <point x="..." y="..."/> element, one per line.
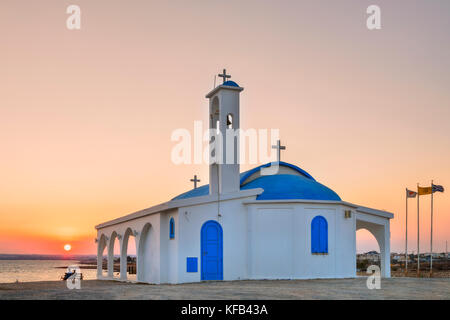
<point x="393" y="288"/>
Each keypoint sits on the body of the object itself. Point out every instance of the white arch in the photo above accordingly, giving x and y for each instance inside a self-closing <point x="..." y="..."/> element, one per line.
<point x="101" y="245"/>
<point x="112" y="241"/>
<point x="143" y="254"/>
<point x="382" y="236"/>
<point x="373" y="241"/>
<point x="124" y="253"/>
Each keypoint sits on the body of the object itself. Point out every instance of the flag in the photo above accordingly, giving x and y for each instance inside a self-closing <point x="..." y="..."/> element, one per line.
<point x="410" y="194"/>
<point x="424" y="190"/>
<point x="437" y="188"/>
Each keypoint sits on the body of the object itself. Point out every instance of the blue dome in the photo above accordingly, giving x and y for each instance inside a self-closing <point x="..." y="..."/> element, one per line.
<point x="230" y="83"/>
<point x="289" y="186"/>
<point x="300" y="185"/>
<point x="200" y="191"/>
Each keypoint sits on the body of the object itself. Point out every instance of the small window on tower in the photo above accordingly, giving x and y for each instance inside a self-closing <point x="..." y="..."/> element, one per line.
<point x="229" y="121"/>
<point x="171" y="229"/>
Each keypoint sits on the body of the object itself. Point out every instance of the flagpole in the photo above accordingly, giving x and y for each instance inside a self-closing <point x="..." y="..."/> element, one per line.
<point x="418" y="251"/>
<point x="431" y="233"/>
<point x="406" y="235"/>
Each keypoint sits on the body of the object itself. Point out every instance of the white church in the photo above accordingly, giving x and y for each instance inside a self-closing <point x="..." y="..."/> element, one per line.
<point x="249" y="225"/>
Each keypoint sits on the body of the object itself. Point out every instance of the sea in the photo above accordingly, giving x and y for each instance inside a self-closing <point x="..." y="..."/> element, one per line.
<point x="39" y="270"/>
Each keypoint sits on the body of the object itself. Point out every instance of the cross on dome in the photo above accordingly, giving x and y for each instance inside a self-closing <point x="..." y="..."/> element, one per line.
<point x="195" y="180"/>
<point x="279" y="147"/>
<point x="224" y="75"/>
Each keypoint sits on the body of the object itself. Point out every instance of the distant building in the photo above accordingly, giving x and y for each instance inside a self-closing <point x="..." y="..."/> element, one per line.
<point x="371" y="256"/>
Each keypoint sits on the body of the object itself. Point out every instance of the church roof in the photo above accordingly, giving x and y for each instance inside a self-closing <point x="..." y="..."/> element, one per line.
<point x="291" y="182"/>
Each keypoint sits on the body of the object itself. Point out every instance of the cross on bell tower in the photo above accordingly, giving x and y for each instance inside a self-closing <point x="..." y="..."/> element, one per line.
<point x="224" y="75"/>
<point x="195" y="180"/>
<point x="279" y="147"/>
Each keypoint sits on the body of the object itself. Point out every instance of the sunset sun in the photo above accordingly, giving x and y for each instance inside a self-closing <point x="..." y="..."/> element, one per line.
<point x="67" y="247"/>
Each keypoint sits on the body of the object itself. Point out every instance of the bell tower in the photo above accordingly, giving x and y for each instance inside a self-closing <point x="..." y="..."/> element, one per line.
<point x="224" y="144"/>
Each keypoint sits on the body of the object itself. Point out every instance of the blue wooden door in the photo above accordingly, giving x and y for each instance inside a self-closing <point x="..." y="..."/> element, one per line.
<point x="212" y="251"/>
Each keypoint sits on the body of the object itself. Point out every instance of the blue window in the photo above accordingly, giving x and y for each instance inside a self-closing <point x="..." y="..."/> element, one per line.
<point x="319" y="235"/>
<point x="191" y="264"/>
<point x="172" y="229"/>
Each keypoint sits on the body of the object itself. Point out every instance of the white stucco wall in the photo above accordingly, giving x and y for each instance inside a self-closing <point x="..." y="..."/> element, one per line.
<point x="169" y="248"/>
<point x="233" y="221"/>
<point x="280" y="242"/>
<point x="261" y="240"/>
<point x="270" y="241"/>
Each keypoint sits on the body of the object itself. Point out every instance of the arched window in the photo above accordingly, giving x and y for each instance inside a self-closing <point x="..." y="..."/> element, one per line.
<point x="319" y="235"/>
<point x="172" y="229"/>
<point x="229" y="121"/>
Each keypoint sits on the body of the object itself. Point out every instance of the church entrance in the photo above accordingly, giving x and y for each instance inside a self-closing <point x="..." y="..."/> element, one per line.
<point x="211" y="251"/>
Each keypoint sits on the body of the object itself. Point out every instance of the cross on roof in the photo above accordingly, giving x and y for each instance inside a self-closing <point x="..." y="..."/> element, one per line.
<point x="224" y="75"/>
<point x="279" y="147"/>
<point x="195" y="180"/>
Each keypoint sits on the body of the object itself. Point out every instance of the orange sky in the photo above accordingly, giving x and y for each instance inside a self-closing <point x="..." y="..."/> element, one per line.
<point x="86" y="116"/>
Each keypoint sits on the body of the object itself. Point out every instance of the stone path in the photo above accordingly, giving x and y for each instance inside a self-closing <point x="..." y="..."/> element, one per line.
<point x="393" y="288"/>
